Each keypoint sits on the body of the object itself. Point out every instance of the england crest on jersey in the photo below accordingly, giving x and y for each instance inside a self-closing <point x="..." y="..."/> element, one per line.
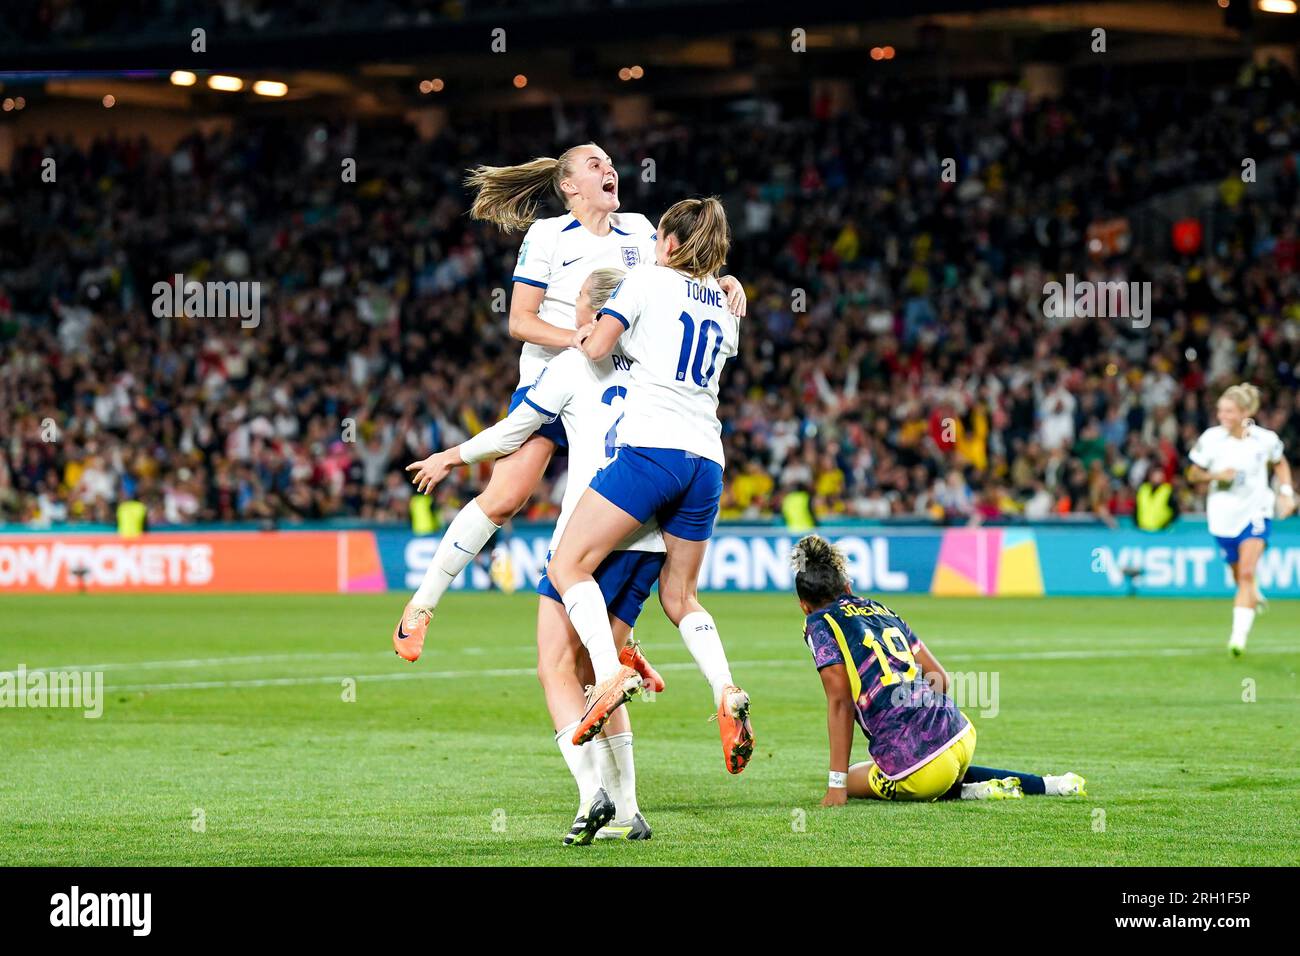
<point x="631" y="256"/>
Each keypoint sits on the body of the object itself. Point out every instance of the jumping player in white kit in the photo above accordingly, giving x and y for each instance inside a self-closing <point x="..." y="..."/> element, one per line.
<point x="585" y="398"/>
<point x="557" y="254"/>
<point x="1237" y="457"/>
<point x="672" y="320"/>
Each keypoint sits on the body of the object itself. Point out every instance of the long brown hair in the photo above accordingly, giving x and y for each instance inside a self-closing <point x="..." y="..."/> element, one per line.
<point x="510" y="195"/>
<point x="703" y="232"/>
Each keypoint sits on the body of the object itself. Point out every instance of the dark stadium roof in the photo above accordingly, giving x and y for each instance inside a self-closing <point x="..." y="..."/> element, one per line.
<point x="688" y="50"/>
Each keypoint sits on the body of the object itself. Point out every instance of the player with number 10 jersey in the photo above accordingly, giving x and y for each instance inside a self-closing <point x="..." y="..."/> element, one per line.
<point x="672" y="321"/>
<point x="672" y="400"/>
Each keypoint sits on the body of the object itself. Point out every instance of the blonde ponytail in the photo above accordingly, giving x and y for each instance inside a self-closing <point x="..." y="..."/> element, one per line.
<point x="510" y="195"/>
<point x="701" y="228"/>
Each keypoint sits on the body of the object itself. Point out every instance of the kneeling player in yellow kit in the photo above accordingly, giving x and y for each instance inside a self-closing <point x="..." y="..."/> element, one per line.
<point x="875" y="670"/>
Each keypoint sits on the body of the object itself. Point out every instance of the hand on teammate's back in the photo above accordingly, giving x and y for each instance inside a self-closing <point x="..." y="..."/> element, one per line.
<point x="735" y="293"/>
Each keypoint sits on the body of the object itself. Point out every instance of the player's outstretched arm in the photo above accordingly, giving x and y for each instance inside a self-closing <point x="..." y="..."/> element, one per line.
<point x="839" y="728"/>
<point x="503" y="438"/>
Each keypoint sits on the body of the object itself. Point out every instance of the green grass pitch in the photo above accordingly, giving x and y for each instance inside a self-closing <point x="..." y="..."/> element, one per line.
<point x="231" y="711"/>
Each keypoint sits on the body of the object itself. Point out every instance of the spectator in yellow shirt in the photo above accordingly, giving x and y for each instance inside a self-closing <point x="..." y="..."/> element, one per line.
<point x="752" y="487"/>
<point x="972" y="438"/>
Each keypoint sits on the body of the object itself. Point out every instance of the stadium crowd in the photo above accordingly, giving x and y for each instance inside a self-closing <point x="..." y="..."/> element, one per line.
<point x="897" y="360"/>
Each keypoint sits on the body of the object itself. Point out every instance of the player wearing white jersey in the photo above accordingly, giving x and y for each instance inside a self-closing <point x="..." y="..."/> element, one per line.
<point x="585" y="397"/>
<point x="1237" y="458"/>
<point x="680" y="334"/>
<point x="555" y="257"/>
<point x="668" y="463"/>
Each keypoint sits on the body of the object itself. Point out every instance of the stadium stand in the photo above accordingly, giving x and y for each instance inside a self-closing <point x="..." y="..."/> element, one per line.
<point x="896" y="362"/>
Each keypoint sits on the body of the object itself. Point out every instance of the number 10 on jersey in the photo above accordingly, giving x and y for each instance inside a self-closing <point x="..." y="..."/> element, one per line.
<point x="698" y="345"/>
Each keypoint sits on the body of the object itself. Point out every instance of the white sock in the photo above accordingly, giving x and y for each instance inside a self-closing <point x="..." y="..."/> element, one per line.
<point x="702" y="640"/>
<point x="618" y="771"/>
<point x="582" y="764"/>
<point x="1242" y="619"/>
<point x="608" y="772"/>
<point x="586" y="608"/>
<point x="464" y="539"/>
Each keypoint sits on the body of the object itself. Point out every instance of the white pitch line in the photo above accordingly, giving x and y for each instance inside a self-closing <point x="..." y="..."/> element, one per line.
<point x="671" y="666"/>
<point x="294" y="681"/>
<point x="398" y="675"/>
<point x="1117" y="652"/>
<point x="203" y="661"/>
<point x="525" y="648"/>
<point x="1083" y="654"/>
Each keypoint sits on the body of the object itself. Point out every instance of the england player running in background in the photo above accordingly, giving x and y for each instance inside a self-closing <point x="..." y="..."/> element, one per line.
<point x="876" y="672"/>
<point x="1237" y="458"/>
<point x="586" y="398"/>
<point x="675" y="326"/>
<point x="556" y="255"/>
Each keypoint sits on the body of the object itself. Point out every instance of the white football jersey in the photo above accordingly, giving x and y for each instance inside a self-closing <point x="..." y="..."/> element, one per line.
<point x="1248" y="498"/>
<point x="558" y="254"/>
<point x="679" y="333"/>
<point x="588" y="398"/>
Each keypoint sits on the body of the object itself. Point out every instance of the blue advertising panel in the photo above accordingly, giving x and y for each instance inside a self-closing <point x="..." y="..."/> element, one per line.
<point x="955" y="561"/>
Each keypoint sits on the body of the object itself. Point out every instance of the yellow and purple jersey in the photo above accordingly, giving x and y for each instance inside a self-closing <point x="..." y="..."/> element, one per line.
<point x="907" y="724"/>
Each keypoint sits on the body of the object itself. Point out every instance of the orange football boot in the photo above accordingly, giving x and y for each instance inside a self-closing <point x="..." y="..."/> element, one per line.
<point x="408" y="636"/>
<point x="734" y="726"/>
<point x="605" y="698"/>
<point x="631" y="656"/>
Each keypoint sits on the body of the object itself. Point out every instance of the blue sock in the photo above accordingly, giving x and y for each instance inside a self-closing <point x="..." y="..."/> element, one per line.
<point x="1031" y="784"/>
